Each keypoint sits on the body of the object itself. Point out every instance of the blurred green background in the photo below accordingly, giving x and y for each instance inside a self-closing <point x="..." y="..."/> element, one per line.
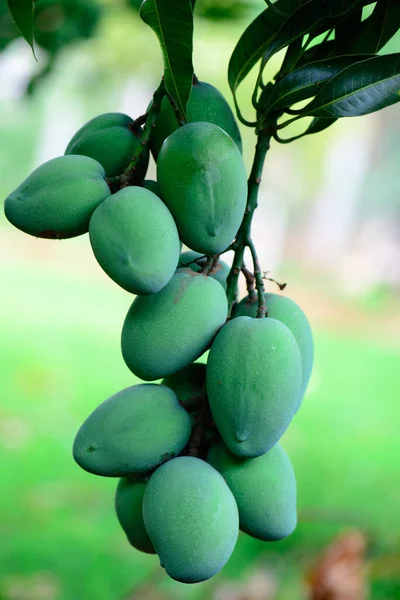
<point x="328" y="224"/>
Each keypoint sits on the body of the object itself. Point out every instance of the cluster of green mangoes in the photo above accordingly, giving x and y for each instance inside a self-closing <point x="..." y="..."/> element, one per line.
<point x="196" y="448"/>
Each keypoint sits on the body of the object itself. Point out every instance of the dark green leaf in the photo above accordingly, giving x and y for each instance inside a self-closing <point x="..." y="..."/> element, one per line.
<point x="377" y="30"/>
<point x="293" y="54"/>
<point x="347" y="31"/>
<point x="283" y="11"/>
<point x="22" y="13"/>
<point x="362" y="88"/>
<point x="316" y="125"/>
<point x="313" y="17"/>
<point x="322" y="50"/>
<point x="319" y="124"/>
<point x="254" y="41"/>
<point x="308" y="80"/>
<point x="172" y="21"/>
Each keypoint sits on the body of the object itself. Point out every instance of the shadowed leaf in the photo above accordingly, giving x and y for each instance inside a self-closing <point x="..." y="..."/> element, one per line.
<point x="313" y="17"/>
<point x="256" y="39"/>
<point x="22" y="13"/>
<point x="379" y="28"/>
<point x="172" y="22"/>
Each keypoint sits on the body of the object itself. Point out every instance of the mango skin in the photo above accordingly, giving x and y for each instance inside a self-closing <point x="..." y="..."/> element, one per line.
<point x="220" y="271"/>
<point x="112" y="140"/>
<point x="288" y="312"/>
<point x="189" y="384"/>
<point x="264" y="489"/>
<point x="167" y="331"/>
<point x="132" y="432"/>
<point x="202" y="179"/>
<point x="128" y="506"/>
<point x="135" y="240"/>
<point x="206" y="103"/>
<point x="254" y="377"/>
<point x="57" y="200"/>
<point x="153" y="186"/>
<point x="191" y="517"/>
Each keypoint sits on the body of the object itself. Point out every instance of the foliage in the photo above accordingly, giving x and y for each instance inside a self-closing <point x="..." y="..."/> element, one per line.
<point x="259" y="363"/>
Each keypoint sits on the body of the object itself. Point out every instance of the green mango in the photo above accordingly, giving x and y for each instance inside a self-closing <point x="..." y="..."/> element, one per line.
<point x="128" y="506"/>
<point x="191" y="517"/>
<point x="206" y="103"/>
<point x="288" y="312"/>
<point x="189" y="384"/>
<point x="264" y="489"/>
<point x="220" y="270"/>
<point x="202" y="179"/>
<point x="132" y="432"/>
<point x="254" y="377"/>
<point x="112" y="139"/>
<point x="167" y="331"/>
<point x="153" y="186"/>
<point x="135" y="240"/>
<point x="58" y="23"/>
<point x="57" y="200"/>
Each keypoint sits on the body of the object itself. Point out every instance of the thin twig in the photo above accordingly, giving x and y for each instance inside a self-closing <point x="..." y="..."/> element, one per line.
<point x="128" y="176"/>
<point x="209" y="264"/>
<point x="250" y="281"/>
<point x="197" y="260"/>
<point x="243" y="236"/>
<point x="262" y="305"/>
<point x="281" y="286"/>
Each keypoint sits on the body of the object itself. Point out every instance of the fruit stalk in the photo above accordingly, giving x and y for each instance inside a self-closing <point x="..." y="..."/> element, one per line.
<point x="243" y="237"/>
<point x="126" y="178"/>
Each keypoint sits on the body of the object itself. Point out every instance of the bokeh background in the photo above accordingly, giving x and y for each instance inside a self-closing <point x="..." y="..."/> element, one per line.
<point x="328" y="224"/>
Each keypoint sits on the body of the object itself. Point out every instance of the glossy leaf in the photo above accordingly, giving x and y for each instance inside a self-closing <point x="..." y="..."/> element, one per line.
<point x="313" y="17"/>
<point x="172" y="22"/>
<point x="317" y="124"/>
<point x="379" y="27"/>
<point x="22" y="13"/>
<point x="362" y="88"/>
<point x="307" y="81"/>
<point x="348" y="30"/>
<point x="253" y="43"/>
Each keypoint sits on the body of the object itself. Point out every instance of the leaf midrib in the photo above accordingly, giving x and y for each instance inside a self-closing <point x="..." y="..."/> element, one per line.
<point x="352" y="93"/>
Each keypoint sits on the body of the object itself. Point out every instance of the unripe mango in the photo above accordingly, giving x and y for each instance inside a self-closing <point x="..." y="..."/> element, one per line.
<point x="264" y="489"/>
<point x="254" y="377"/>
<point x="189" y="385"/>
<point x="167" y="331"/>
<point x="220" y="270"/>
<point x="206" y="103"/>
<point x="288" y="312"/>
<point x="202" y="179"/>
<point x="135" y="240"/>
<point x="191" y="517"/>
<point x="57" y="200"/>
<point x="132" y="432"/>
<point x="128" y="506"/>
<point x="153" y="186"/>
<point x="112" y="139"/>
